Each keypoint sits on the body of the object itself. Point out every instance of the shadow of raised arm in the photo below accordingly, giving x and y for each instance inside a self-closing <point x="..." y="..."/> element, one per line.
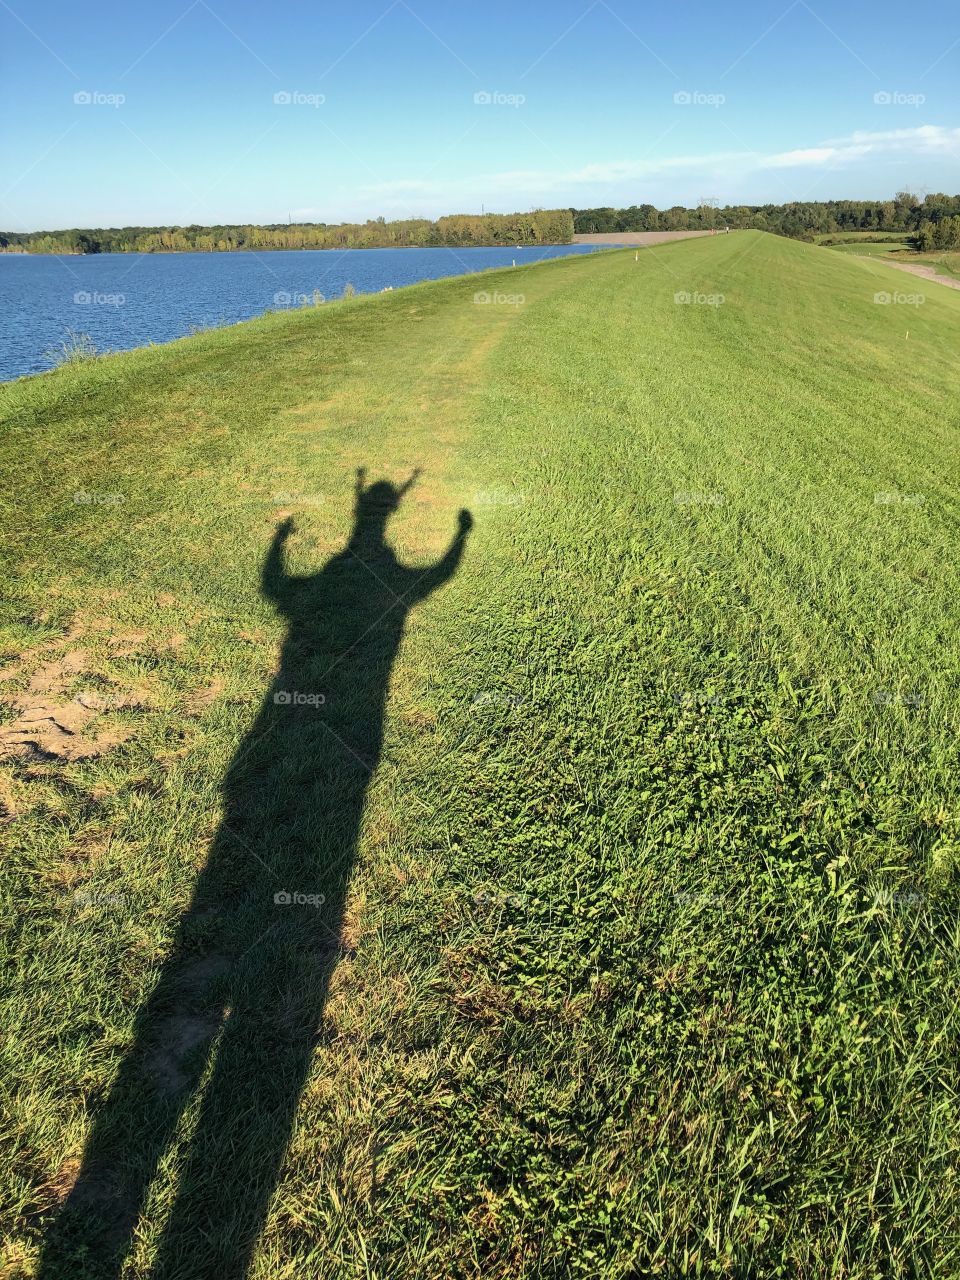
<point x="275" y="583"/>
<point x="426" y="581"/>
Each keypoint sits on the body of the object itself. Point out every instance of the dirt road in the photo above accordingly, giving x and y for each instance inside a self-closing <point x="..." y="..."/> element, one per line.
<point x="917" y="269"/>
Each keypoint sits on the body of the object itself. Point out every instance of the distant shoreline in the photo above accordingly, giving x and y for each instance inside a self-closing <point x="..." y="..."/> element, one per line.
<point x="359" y="248"/>
<point x="612" y="238"/>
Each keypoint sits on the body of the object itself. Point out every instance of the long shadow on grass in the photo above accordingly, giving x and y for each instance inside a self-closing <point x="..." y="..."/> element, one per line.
<point x="223" y="1046"/>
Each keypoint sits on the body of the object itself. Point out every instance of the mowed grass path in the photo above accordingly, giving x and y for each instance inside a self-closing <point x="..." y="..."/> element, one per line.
<point x="649" y="957"/>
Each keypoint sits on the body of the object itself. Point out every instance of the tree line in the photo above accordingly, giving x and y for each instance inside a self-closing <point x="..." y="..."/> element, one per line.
<point x="933" y="221"/>
<point x="941" y="234"/>
<point x="804" y="220"/>
<point x="541" y="226"/>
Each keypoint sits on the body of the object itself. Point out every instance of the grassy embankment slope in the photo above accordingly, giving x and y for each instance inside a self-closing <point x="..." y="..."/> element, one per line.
<point x="649" y="957"/>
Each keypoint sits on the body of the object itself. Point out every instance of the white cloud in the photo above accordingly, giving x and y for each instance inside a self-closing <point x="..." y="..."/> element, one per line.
<point x="809" y="155"/>
<point x="738" y="176"/>
<point x="925" y="140"/>
<point x="919" y="141"/>
<point x="932" y="137"/>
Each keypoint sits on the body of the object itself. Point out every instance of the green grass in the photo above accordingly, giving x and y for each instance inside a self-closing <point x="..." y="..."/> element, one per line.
<point x="868" y="248"/>
<point x="842" y="239"/>
<point x="643" y="958"/>
<point x="857" y="237"/>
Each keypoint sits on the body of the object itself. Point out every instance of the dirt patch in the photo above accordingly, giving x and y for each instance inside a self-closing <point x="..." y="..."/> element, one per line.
<point x="926" y="273"/>
<point x="127" y="643"/>
<point x="50" y="724"/>
<point x="199" y="974"/>
<point x="418" y="718"/>
<point x="64" y="1180"/>
<point x="55" y="730"/>
<point x="205" y="697"/>
<point x="97" y="1189"/>
<point x="351" y="927"/>
<point x="182" y="1034"/>
<point x="186" y="1028"/>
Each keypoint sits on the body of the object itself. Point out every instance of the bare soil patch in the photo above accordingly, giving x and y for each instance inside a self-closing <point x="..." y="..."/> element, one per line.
<point x="927" y="273"/>
<point x="51" y="723"/>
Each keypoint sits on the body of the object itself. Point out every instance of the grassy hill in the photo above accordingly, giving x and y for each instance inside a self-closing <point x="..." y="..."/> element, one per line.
<point x="634" y="808"/>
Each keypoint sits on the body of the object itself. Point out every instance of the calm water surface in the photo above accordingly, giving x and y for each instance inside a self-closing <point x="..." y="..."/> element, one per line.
<point x="124" y="300"/>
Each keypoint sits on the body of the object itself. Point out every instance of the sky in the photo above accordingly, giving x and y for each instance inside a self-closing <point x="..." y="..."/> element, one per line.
<point x="220" y="111"/>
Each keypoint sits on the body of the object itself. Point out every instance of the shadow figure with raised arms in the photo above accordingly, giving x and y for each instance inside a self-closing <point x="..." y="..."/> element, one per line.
<point x="225" y="1040"/>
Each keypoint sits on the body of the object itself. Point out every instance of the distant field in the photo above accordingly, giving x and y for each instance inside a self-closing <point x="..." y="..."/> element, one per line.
<point x="867" y="248"/>
<point x="857" y="237"/>
<point x="542" y="866"/>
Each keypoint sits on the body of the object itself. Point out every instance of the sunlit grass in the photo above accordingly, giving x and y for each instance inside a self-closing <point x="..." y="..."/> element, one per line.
<point x="649" y="962"/>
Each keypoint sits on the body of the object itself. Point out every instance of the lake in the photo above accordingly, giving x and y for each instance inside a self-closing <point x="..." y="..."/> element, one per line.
<point x="124" y="300"/>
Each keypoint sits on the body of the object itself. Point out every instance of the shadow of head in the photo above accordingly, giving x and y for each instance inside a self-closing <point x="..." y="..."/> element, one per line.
<point x="380" y="499"/>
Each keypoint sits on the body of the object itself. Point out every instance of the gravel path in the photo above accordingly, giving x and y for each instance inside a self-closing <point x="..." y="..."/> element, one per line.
<point x="927" y="273"/>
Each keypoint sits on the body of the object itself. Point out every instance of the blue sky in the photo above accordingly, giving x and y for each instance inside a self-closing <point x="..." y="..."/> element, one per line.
<point x="228" y="111"/>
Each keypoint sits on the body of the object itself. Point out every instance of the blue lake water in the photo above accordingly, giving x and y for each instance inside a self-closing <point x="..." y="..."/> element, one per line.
<point x="124" y="300"/>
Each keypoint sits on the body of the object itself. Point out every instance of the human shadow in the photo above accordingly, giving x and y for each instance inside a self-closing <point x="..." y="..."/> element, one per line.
<point x="223" y="1046"/>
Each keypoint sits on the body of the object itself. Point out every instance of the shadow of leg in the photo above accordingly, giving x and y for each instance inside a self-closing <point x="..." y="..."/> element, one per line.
<point x="249" y="1105"/>
<point x="174" y="1035"/>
